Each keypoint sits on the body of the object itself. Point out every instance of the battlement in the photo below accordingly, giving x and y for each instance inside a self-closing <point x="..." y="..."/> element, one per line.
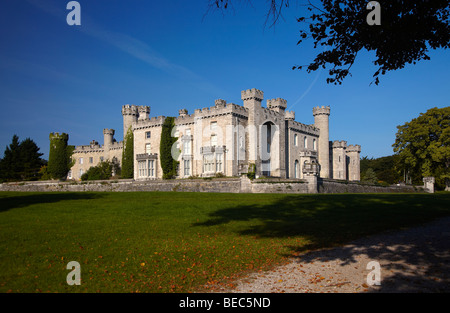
<point x="339" y="144"/>
<point x="144" y="112"/>
<point x="109" y="131"/>
<point x="182" y="112"/>
<point x="62" y="136"/>
<point x="290" y="115"/>
<point x="130" y="110"/>
<point x="253" y="93"/>
<point x="220" y="103"/>
<point x="354" y="148"/>
<point x="323" y="110"/>
<point x="152" y="121"/>
<point x="277" y="103"/>
<point x="222" y="108"/>
<point x="303" y="128"/>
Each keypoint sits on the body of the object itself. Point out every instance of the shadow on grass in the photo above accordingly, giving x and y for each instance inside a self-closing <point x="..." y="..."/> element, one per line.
<point x="18" y="200"/>
<point x="333" y="220"/>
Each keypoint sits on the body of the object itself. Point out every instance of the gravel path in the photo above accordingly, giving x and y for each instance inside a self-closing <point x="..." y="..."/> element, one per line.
<point x="413" y="260"/>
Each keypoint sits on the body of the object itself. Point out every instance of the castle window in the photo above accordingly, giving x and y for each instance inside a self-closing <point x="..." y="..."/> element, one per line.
<point x="214" y="140"/>
<point x="147" y="148"/>
<point x="188" y="132"/>
<point x="101" y="159"/>
<point x="151" y="168"/>
<point x="187" y="147"/>
<point x="147" y="135"/>
<point x="208" y="163"/>
<point x="81" y="160"/>
<point x="213" y="127"/>
<point x="296" y="169"/>
<point x="69" y="175"/>
<point x="91" y="160"/>
<point x="305" y="142"/>
<point x="314" y="145"/>
<point x="81" y="172"/>
<point x="142" y="168"/>
<point x="295" y="140"/>
<point x="339" y="160"/>
<point x="187" y="167"/>
<point x="219" y="162"/>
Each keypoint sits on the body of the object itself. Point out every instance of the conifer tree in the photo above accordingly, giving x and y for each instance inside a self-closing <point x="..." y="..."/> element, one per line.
<point x="128" y="155"/>
<point x="168" y="163"/>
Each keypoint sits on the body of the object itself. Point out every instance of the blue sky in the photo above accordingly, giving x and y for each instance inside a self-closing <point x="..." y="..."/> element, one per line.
<point x="170" y="55"/>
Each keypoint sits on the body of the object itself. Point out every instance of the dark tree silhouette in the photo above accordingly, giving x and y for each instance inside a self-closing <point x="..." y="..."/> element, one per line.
<point x="408" y="30"/>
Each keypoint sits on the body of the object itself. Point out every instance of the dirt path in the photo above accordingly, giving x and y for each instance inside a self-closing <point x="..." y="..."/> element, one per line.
<point x="413" y="260"/>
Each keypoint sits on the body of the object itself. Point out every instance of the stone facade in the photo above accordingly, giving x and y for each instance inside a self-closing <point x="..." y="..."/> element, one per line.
<point x="227" y="139"/>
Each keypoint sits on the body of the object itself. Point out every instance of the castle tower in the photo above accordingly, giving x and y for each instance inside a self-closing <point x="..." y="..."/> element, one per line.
<point x="277" y="105"/>
<point x="108" y="137"/>
<point x="321" y="121"/>
<point x="144" y="112"/>
<point x="130" y="116"/>
<point x="339" y="160"/>
<point x="353" y="155"/>
<point x="252" y="102"/>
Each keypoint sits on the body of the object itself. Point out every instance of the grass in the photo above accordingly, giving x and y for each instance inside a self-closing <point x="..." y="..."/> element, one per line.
<point x="178" y="242"/>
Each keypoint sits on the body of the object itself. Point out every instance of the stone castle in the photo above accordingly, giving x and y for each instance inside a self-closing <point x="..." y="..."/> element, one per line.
<point x="230" y="140"/>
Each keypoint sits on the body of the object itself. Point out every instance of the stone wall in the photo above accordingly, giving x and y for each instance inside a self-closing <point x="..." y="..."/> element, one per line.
<point x="333" y="186"/>
<point x="226" y="185"/>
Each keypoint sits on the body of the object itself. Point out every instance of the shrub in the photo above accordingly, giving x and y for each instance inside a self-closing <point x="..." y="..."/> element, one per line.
<point x="99" y="172"/>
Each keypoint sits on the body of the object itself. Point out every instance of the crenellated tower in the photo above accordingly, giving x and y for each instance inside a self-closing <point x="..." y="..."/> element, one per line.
<point x="144" y="113"/>
<point x="108" y="137"/>
<point x="321" y="121"/>
<point x="130" y="116"/>
<point x="353" y="155"/>
<point x="277" y="105"/>
<point x="338" y="163"/>
<point x="252" y="99"/>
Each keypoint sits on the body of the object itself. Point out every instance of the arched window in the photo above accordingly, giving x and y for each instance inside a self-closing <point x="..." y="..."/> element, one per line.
<point x="305" y="142"/>
<point x="295" y="140"/>
<point x="314" y="144"/>
<point x="296" y="169"/>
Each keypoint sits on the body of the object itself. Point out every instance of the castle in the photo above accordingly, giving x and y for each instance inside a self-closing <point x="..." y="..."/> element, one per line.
<point x="230" y="140"/>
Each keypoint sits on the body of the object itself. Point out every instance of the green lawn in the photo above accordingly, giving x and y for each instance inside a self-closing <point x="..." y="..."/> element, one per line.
<point x="176" y="242"/>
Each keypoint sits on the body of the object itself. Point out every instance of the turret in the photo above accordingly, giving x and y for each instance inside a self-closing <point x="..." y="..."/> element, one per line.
<point x="252" y="102"/>
<point x="321" y="121"/>
<point x="108" y="137"/>
<point x="220" y="103"/>
<point x="130" y="116"/>
<point x="144" y="112"/>
<point x="182" y="112"/>
<point x="252" y="98"/>
<point x="353" y="155"/>
<point x="278" y="104"/>
<point x="290" y="115"/>
<point x="339" y="163"/>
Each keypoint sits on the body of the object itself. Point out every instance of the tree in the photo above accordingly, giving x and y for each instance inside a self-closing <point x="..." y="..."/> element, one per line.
<point x="423" y="145"/>
<point x="383" y="167"/>
<point x="128" y="155"/>
<point x="60" y="156"/>
<point x="370" y="176"/>
<point x="22" y="161"/>
<point x="168" y="162"/>
<point x="30" y="160"/>
<point x="9" y="167"/>
<point x="407" y="31"/>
